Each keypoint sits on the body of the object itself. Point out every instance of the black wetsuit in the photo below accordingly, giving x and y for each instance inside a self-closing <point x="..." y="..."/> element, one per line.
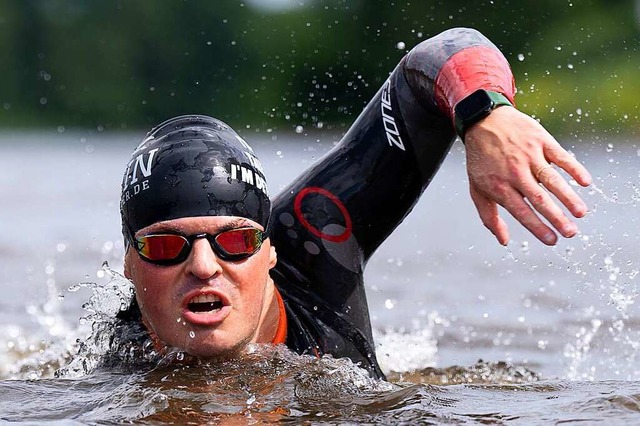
<point x="329" y="221"/>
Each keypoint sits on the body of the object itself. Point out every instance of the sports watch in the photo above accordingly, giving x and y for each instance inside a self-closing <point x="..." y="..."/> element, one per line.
<point x="475" y="107"/>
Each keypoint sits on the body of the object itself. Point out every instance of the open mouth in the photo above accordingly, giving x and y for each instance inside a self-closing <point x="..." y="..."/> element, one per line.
<point x="205" y="303"/>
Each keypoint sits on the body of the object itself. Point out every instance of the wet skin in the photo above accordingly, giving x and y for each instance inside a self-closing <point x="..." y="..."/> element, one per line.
<point x="244" y="308"/>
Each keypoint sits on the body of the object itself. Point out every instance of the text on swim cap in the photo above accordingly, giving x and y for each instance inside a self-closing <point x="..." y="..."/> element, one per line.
<point x="140" y="165"/>
<point x="248" y="176"/>
<point x="389" y="123"/>
<point x="141" y="169"/>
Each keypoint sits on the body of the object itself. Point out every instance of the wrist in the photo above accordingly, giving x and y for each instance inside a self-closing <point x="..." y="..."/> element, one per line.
<point x="475" y="107"/>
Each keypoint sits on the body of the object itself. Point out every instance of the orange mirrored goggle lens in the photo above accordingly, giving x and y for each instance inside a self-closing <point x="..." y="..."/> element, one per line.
<point x="167" y="249"/>
<point x="239" y="241"/>
<point x="161" y="246"/>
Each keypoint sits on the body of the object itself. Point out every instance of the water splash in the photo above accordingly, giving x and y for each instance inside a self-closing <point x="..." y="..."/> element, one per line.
<point x="577" y="352"/>
<point x="601" y="341"/>
<point x="614" y="279"/>
<point x="402" y="350"/>
<point x="106" y="301"/>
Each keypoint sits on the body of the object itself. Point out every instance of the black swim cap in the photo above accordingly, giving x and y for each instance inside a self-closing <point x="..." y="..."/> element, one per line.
<point x="192" y="165"/>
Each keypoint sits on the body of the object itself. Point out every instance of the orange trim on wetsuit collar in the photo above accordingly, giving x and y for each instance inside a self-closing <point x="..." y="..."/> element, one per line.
<point x="281" y="332"/>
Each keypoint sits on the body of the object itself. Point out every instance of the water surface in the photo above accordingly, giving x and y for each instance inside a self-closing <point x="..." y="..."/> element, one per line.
<point x="556" y="328"/>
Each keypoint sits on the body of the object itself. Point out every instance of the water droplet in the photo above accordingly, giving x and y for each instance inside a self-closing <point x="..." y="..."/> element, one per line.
<point x="192" y="334"/>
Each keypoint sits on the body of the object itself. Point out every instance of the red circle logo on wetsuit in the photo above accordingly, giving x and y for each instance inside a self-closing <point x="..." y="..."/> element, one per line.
<point x="297" y="206"/>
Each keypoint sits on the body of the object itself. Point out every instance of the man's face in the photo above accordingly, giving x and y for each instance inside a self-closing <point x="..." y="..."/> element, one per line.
<point x="171" y="298"/>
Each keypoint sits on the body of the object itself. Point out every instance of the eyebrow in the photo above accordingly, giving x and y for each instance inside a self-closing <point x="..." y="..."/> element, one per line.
<point x="237" y="223"/>
<point x="167" y="228"/>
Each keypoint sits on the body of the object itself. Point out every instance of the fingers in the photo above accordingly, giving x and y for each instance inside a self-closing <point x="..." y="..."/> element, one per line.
<point x="488" y="211"/>
<point x="522" y="201"/>
<point x="557" y="155"/>
<point x="558" y="186"/>
<point x="516" y="205"/>
<point x="542" y="202"/>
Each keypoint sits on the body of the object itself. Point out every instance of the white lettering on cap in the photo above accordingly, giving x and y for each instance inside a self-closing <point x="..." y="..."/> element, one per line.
<point x="248" y="176"/>
<point x="141" y="167"/>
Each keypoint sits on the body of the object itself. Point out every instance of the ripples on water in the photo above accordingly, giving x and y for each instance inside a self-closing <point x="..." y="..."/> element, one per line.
<point x="571" y="312"/>
<point x="110" y="380"/>
<point x="272" y="384"/>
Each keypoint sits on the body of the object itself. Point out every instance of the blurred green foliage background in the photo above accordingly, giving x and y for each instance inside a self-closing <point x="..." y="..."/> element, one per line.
<point x="312" y="63"/>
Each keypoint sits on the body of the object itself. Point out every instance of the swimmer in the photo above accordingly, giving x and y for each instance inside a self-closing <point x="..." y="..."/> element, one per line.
<point x="217" y="263"/>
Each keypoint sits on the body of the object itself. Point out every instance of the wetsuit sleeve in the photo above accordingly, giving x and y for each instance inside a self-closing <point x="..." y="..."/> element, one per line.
<point x="330" y="220"/>
<point x="445" y="69"/>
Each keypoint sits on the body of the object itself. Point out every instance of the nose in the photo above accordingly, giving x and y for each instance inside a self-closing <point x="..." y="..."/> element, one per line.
<point x="202" y="261"/>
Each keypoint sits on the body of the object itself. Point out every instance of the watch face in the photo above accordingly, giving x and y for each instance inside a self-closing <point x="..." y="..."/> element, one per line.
<point x="477" y="104"/>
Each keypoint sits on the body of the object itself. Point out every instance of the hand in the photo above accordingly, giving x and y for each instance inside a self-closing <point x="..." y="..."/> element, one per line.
<point x="509" y="157"/>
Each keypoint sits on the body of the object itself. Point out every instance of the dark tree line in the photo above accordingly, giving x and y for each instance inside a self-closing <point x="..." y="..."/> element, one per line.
<point x="123" y="64"/>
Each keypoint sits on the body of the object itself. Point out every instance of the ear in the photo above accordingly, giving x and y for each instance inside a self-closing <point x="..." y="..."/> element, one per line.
<point x="127" y="264"/>
<point x="273" y="257"/>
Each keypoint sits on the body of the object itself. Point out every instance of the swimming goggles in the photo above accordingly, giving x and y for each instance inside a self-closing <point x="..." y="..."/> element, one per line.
<point x="171" y="249"/>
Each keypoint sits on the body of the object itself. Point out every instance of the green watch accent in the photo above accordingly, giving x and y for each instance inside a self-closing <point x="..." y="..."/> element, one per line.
<point x="475" y="107"/>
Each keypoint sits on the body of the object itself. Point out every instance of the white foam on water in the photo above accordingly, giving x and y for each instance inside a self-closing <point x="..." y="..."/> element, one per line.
<point x="28" y="353"/>
<point x="401" y="351"/>
<point x="104" y="304"/>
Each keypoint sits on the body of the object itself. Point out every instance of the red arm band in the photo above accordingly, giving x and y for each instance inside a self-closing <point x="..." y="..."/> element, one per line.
<point x="470" y="69"/>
